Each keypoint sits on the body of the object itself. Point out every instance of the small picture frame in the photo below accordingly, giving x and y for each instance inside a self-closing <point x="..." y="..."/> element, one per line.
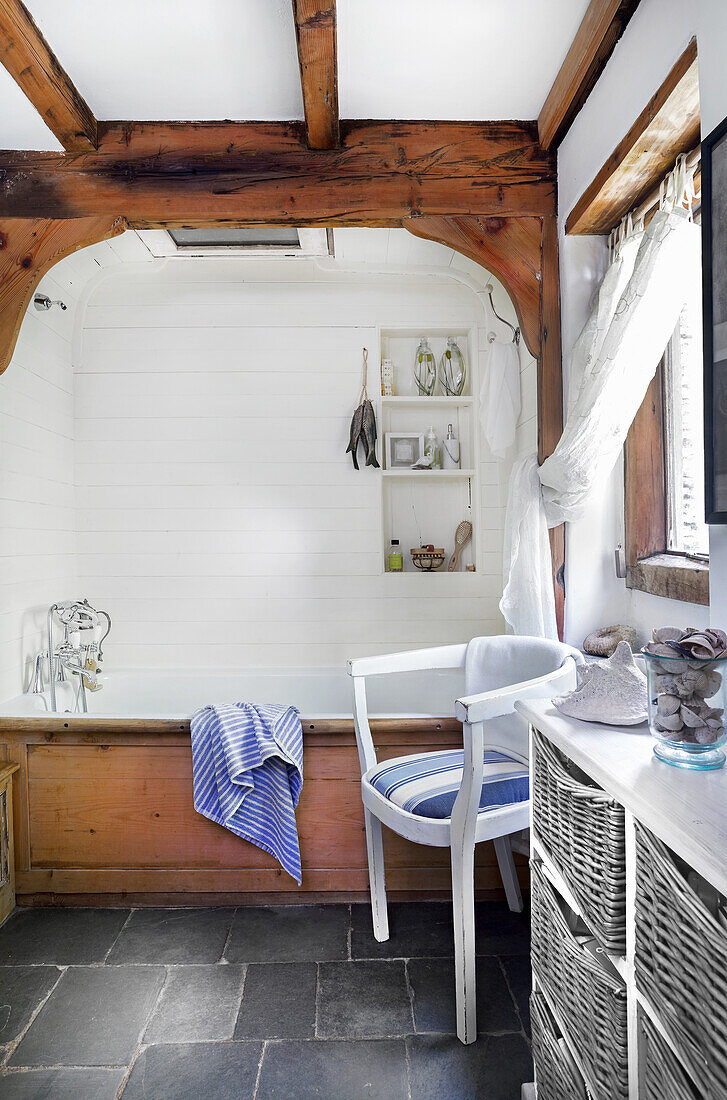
<point x="403" y="449"/>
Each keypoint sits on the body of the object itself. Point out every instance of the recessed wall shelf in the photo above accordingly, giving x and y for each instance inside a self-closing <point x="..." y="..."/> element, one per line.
<point x="440" y="474"/>
<point x="426" y="506"/>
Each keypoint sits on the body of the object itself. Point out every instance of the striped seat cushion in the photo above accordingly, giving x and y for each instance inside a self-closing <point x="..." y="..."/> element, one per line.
<point x="427" y="784"/>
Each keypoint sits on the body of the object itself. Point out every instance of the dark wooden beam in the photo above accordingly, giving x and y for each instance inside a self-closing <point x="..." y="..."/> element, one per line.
<point x="28" y="248"/>
<point x="156" y="173"/>
<point x="601" y="27"/>
<point x="315" y="33"/>
<point x="667" y="126"/>
<point x="32" y="64"/>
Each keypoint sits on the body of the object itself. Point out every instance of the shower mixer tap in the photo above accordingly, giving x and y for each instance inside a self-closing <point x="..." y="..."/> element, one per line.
<point x="72" y="656"/>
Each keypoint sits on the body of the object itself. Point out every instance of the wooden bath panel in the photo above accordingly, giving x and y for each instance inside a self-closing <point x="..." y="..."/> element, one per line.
<point x="110" y="814"/>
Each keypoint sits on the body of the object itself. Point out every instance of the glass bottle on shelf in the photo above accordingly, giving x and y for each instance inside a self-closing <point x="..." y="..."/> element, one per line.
<point x="452" y="370"/>
<point x="431" y="450"/>
<point x="425" y="369"/>
<point x="395" y="558"/>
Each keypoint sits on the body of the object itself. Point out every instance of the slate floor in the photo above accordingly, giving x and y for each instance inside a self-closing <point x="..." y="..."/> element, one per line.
<point x="263" y="1003"/>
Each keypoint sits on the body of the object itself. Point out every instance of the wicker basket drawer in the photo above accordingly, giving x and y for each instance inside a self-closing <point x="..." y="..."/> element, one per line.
<point x="681" y="963"/>
<point x="557" y="1077"/>
<point x="662" y="1077"/>
<point x="582" y="830"/>
<point x="588" y="999"/>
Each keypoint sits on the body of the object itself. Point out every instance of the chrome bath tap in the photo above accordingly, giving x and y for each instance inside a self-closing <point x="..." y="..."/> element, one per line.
<point x="71" y="656"/>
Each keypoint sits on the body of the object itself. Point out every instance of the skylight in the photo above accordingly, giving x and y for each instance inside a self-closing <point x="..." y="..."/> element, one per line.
<point x="220" y="237"/>
<point x="224" y="240"/>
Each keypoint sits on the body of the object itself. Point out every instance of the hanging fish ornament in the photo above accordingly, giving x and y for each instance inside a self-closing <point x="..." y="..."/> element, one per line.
<point x="363" y="425"/>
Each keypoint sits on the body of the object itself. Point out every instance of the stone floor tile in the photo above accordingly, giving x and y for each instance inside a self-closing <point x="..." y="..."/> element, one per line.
<point x="197" y="1003"/>
<point x="417" y="930"/>
<point x="520" y="979"/>
<point x="442" y="1068"/>
<point x="196" y="1071"/>
<point x="289" y="933"/>
<point x="61" y="1084"/>
<point x="94" y="1017"/>
<point x="366" y="1070"/>
<point x="22" y="990"/>
<point x="173" y="936"/>
<point x="433" y="991"/>
<point x="500" y="932"/>
<point x="363" y="1000"/>
<point x="60" y="936"/>
<point x="279" y="1002"/>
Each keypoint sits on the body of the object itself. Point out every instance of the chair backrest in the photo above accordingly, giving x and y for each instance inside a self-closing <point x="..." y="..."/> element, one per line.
<point x="502" y="661"/>
<point x="490" y="663"/>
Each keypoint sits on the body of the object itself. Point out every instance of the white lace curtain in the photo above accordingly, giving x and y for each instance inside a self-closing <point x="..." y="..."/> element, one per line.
<point x="613" y="362"/>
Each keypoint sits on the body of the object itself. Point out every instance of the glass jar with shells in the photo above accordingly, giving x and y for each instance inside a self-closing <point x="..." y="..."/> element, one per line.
<point x="686" y="685"/>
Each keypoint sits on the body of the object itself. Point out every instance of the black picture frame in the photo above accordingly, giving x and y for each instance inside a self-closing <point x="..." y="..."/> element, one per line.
<point x="714" y="306"/>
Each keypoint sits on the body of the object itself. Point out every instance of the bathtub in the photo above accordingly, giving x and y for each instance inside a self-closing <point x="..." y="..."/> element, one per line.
<point x="320" y="693"/>
<point x="103" y="805"/>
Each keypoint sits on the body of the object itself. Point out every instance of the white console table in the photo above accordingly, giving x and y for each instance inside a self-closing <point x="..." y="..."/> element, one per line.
<point x="686" y="811"/>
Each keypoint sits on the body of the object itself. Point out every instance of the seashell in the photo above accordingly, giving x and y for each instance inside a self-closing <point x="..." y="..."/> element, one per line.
<point x="666" y="684"/>
<point x="668" y="704"/>
<point x="696" y="680"/>
<point x="667" y="634"/>
<point x="671" y="722"/>
<point x="700" y="645"/>
<point x="705" y="735"/>
<point x="714" y="683"/>
<point x="690" y="718"/>
<point x="612" y="692"/>
<point x="714" y="723"/>
<point x="603" y="642"/>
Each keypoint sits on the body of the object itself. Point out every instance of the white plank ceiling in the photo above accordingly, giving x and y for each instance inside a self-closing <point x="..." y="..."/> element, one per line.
<point x="181" y="59"/>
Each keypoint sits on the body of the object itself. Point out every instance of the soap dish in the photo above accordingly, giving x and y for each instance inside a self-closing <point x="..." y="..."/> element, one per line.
<point x="427" y="558"/>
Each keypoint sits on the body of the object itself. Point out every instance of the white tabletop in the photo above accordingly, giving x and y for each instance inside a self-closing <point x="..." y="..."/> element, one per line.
<point x="686" y="809"/>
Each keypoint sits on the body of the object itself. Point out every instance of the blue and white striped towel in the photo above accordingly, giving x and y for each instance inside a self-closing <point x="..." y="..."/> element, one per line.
<point x="248" y="775"/>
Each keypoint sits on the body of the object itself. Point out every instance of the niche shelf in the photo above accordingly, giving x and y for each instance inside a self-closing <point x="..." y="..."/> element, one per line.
<point x="425" y="506"/>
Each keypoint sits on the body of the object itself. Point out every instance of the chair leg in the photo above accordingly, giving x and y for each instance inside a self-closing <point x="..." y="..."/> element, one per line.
<point x="506" y="863"/>
<point x="463" y="901"/>
<point x="377" y="876"/>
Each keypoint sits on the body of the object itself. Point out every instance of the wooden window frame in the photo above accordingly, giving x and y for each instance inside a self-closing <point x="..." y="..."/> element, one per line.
<point x="650" y="566"/>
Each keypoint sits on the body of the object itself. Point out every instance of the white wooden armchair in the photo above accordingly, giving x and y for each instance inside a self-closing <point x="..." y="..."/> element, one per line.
<point x="463" y="796"/>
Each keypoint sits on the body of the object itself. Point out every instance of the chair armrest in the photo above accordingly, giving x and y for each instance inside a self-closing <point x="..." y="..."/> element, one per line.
<point x="499" y="701"/>
<point x="412" y="660"/>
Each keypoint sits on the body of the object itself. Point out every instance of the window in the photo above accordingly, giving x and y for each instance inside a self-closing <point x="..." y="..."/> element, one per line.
<point x="275" y="236"/>
<point x="667" y="540"/>
<point x="223" y="240"/>
<point x="687" y="533"/>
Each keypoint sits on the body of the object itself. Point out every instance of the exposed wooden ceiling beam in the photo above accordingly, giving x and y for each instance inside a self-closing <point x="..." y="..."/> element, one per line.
<point x="32" y="64"/>
<point x="315" y="33"/>
<point x="156" y="173"/>
<point x="668" y="126"/>
<point x="601" y="27"/>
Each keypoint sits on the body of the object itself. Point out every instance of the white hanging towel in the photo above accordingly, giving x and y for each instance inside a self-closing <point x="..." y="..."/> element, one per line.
<point x="500" y="397"/>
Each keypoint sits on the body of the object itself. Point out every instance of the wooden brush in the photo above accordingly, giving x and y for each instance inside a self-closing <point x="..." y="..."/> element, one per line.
<point x="462" y="536"/>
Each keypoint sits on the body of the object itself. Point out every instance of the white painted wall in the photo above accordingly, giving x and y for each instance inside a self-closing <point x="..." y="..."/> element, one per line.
<point x="37" y="495"/>
<point x="173" y="447"/>
<point x="654" y="39"/>
<point x="219" y="518"/>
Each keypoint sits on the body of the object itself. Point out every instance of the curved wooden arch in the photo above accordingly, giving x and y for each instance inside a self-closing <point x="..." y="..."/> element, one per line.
<point x="29" y="247"/>
<point x="521" y="251"/>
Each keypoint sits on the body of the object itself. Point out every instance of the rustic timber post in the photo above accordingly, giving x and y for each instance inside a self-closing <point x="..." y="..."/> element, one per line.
<point x="523" y="254"/>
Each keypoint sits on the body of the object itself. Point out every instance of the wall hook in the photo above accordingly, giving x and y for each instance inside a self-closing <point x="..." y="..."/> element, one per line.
<point x="43" y="302"/>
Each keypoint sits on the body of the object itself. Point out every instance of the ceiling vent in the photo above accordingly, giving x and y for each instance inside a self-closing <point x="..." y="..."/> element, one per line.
<point x="220" y="240"/>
